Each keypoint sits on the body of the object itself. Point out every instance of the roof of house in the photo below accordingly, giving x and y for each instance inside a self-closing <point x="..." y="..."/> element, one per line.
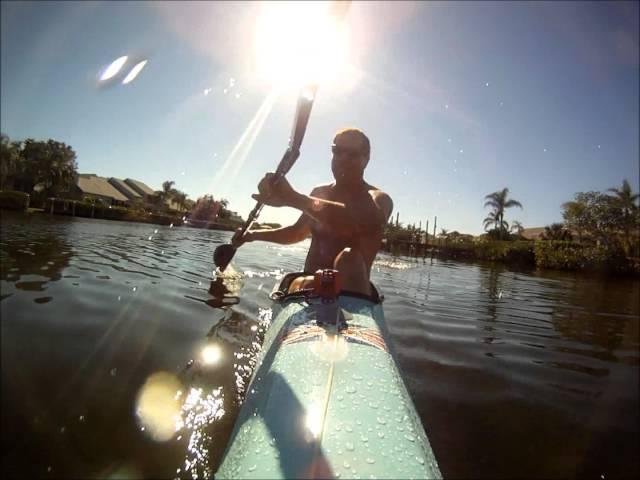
<point x="532" y="233"/>
<point x="138" y="186"/>
<point x="125" y="189"/>
<point x="94" y="185"/>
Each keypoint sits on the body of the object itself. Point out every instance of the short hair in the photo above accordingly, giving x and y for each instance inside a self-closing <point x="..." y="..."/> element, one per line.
<point x="365" y="140"/>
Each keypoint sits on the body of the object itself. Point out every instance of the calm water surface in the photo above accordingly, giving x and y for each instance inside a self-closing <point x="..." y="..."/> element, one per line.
<point x="514" y="374"/>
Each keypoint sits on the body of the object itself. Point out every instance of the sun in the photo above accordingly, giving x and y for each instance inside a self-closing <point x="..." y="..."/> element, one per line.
<point x="297" y="43"/>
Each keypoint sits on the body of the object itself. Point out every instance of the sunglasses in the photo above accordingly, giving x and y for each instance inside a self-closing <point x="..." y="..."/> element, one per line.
<point x="348" y="152"/>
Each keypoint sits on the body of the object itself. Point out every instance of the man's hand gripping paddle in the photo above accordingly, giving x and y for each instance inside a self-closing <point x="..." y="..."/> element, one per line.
<point x="223" y="254"/>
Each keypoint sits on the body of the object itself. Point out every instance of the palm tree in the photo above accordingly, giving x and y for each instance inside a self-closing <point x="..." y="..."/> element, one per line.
<point x="494" y="219"/>
<point x="180" y="199"/>
<point x="517" y="227"/>
<point x="499" y="202"/>
<point x="625" y="200"/>
<point x="168" y="190"/>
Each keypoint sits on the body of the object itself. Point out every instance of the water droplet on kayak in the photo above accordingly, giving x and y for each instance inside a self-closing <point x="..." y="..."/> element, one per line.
<point x="348" y="428"/>
<point x="338" y="428"/>
<point x="339" y="452"/>
<point x="349" y="446"/>
<point x="340" y="398"/>
<point x="351" y="389"/>
<point x="373" y="405"/>
<point x="364" y="438"/>
<point x="81" y="418"/>
<point x="380" y="434"/>
<point x="410" y="437"/>
<point x="356" y="377"/>
<point x="370" y="460"/>
<point x="346" y="464"/>
<point x="113" y="372"/>
<point x="420" y="460"/>
<point x="252" y="468"/>
<point x="381" y="421"/>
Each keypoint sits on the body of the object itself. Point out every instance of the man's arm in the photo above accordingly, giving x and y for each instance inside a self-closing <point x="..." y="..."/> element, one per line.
<point x="341" y="219"/>
<point x="287" y="235"/>
<point x="336" y="216"/>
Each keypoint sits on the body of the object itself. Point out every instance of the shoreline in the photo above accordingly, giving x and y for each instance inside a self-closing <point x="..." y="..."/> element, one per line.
<point x="531" y="255"/>
<point x="156" y="219"/>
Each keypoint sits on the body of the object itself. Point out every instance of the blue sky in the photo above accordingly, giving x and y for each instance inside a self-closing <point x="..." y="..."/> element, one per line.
<point x="459" y="99"/>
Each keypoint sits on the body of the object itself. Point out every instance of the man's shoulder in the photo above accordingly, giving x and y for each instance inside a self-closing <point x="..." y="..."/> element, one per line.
<point x="321" y="189"/>
<point x="382" y="199"/>
<point x="375" y="192"/>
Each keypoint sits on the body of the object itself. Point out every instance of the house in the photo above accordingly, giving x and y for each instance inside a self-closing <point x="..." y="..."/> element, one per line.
<point x="533" y="233"/>
<point x="125" y="189"/>
<point x="91" y="186"/>
<point x="139" y="187"/>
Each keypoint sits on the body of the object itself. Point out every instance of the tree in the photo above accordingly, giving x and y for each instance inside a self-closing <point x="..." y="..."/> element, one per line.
<point x="556" y="231"/>
<point x="593" y="214"/>
<point x="51" y="165"/>
<point x="181" y="200"/>
<point x="625" y="200"/>
<point x="499" y="202"/>
<point x="206" y="209"/>
<point x="9" y="161"/>
<point x="498" y="225"/>
<point x="576" y="216"/>
<point x="517" y="228"/>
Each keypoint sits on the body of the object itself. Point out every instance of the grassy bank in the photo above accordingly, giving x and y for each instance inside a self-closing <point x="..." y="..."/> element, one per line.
<point x="557" y="255"/>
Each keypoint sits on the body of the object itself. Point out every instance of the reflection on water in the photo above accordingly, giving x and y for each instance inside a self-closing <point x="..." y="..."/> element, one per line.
<point x="124" y="354"/>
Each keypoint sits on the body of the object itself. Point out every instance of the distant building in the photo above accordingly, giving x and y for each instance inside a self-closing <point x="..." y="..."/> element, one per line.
<point x="94" y="187"/>
<point x="125" y="189"/>
<point x="139" y="187"/>
<point x="533" y="233"/>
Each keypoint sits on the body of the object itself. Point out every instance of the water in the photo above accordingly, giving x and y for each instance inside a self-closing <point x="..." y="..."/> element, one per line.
<point x="514" y="373"/>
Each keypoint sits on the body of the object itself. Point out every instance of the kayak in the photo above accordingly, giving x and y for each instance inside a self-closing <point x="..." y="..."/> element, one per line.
<point x="327" y="400"/>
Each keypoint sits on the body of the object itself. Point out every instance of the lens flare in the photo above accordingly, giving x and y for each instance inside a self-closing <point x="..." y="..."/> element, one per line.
<point x="158" y="406"/>
<point x="211" y="354"/>
<point x="113" y="69"/>
<point x="134" y="72"/>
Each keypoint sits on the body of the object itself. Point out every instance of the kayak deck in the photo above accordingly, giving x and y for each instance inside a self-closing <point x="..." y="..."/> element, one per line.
<point x="322" y="405"/>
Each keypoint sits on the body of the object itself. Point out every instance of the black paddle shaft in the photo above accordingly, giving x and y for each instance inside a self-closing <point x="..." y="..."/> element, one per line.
<point x="223" y="254"/>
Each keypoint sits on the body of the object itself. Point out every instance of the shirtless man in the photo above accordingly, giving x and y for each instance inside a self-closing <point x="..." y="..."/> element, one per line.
<point x="345" y="218"/>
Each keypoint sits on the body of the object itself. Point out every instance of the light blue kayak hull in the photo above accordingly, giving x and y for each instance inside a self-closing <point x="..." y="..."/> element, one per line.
<point x="328" y="402"/>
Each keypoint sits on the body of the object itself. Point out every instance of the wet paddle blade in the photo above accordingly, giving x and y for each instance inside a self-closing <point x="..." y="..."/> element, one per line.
<point x="223" y="255"/>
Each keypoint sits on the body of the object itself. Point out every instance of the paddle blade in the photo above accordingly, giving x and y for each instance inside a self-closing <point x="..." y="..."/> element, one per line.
<point x="223" y="255"/>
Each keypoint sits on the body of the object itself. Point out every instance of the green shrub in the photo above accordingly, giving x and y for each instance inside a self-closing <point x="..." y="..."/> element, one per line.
<point x="14" y="200"/>
<point x="568" y="255"/>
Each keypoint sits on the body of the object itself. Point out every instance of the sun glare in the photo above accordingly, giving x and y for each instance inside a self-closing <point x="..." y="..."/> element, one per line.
<point x="298" y="43"/>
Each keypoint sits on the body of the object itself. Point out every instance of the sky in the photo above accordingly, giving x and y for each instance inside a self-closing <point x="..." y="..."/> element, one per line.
<point x="459" y="99"/>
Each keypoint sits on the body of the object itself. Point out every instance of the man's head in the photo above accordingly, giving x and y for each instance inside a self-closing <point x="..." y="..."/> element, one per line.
<point x="351" y="151"/>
